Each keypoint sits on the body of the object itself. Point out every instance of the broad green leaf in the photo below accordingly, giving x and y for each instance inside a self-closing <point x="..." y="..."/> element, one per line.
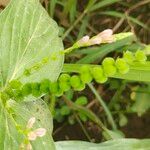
<point x="29" y="43"/>
<point x="29" y="51"/>
<point x="11" y="138"/>
<point x="118" y="144"/>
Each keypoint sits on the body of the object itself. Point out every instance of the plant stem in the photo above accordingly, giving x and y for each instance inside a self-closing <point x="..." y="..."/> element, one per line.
<point x="106" y="109"/>
<point x="83" y="128"/>
<point x="52" y="104"/>
<point x="74" y="24"/>
<point x="117" y="95"/>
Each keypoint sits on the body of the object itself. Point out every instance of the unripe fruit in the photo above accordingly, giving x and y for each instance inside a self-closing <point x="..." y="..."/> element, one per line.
<point x="75" y="81"/>
<point x="18" y="94"/>
<point x="140" y="56"/>
<point x="64" y="82"/>
<point x="122" y="66"/>
<point x="15" y="84"/>
<point x="44" y="86"/>
<point x="26" y="89"/>
<point x="108" y="66"/>
<point x="98" y="74"/>
<point x="128" y="57"/>
<point x="65" y="110"/>
<point x="81" y="100"/>
<point x="83" y="117"/>
<point x="55" y="89"/>
<point x="35" y="89"/>
<point x="109" y="70"/>
<point x="108" y="61"/>
<point x="85" y="74"/>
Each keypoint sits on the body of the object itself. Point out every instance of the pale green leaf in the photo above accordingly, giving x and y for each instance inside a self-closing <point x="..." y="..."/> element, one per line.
<point x="118" y="144"/>
<point x="28" y="41"/>
<point x="18" y="115"/>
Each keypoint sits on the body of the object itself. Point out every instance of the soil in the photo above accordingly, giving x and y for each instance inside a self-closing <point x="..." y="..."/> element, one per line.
<point x="137" y="127"/>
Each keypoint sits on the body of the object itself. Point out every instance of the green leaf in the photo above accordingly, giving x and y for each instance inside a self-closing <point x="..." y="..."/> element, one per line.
<point x="29" y="43"/>
<point x="122" y="15"/>
<point x="118" y="144"/>
<point x="142" y="102"/>
<point x="16" y="116"/>
<point x="137" y="72"/>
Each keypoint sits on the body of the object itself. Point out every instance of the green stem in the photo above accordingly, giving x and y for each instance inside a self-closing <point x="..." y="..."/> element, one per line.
<point x="74" y="24"/>
<point x="83" y="128"/>
<point x="52" y="104"/>
<point x="106" y="109"/>
<point x="117" y="95"/>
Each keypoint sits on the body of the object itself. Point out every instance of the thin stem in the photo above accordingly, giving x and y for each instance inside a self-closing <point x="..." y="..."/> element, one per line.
<point x="83" y="128"/>
<point x="74" y="24"/>
<point x="106" y="109"/>
<point x="52" y="104"/>
<point x="117" y="95"/>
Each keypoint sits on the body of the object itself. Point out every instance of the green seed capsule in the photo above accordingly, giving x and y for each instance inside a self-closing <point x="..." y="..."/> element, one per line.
<point x="18" y="94"/>
<point x="64" y="77"/>
<point x="65" y="110"/>
<point x="75" y="81"/>
<point x="128" y="57"/>
<point x="4" y="96"/>
<point x="81" y="87"/>
<point x="122" y="66"/>
<point x="9" y="92"/>
<point x="35" y="89"/>
<point x="26" y="89"/>
<point x="44" y="86"/>
<point x="64" y="82"/>
<point x="85" y="74"/>
<point x="83" y="117"/>
<point x="15" y="84"/>
<point x="110" y="70"/>
<point x="108" y="61"/>
<point x="81" y="100"/>
<point x="55" y="89"/>
<point x="140" y="56"/>
<point x="98" y="74"/>
<point x="108" y="66"/>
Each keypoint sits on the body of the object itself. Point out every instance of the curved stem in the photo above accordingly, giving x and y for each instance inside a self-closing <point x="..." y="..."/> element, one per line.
<point x="106" y="109"/>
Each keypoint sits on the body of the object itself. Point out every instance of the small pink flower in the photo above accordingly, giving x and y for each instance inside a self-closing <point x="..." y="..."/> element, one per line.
<point x="40" y="132"/>
<point x="106" y="36"/>
<point x="32" y="136"/>
<point x="95" y="40"/>
<point x="83" y="40"/>
<point x="31" y="122"/>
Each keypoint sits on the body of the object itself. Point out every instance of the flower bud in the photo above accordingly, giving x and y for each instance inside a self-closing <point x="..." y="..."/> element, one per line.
<point x="40" y="132"/>
<point x="31" y="122"/>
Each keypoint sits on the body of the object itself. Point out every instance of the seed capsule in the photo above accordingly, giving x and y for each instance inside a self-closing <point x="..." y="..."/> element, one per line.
<point x="98" y="74"/>
<point x="128" y="57"/>
<point x="35" y="89"/>
<point x="26" y="89"/>
<point x="44" y="86"/>
<point x="55" y="89"/>
<point x="140" y="56"/>
<point x="64" y="82"/>
<point x="85" y="74"/>
<point x="122" y="66"/>
<point x="109" y="66"/>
